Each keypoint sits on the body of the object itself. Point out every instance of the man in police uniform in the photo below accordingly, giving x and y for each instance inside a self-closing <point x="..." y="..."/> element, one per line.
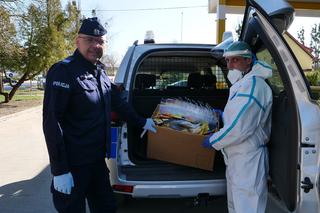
<point x="76" y="122"/>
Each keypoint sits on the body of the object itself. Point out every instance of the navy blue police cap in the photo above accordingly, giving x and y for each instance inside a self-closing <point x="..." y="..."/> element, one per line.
<point x="92" y="27"/>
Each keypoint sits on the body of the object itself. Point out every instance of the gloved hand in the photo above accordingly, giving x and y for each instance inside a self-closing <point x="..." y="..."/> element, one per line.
<point x="150" y="125"/>
<point x="63" y="183"/>
<point x="206" y="142"/>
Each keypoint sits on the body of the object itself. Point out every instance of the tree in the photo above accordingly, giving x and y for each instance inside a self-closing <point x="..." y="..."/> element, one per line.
<point x="301" y="35"/>
<point x="111" y="62"/>
<point x="9" y="46"/>
<point x="34" y="57"/>
<point x="11" y="5"/>
<point x="315" y="42"/>
<point x="312" y="77"/>
<point x="42" y="26"/>
<point x="238" y="29"/>
<point x="71" y="26"/>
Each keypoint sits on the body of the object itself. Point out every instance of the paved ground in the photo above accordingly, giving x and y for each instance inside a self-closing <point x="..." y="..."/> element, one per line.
<point x="25" y="176"/>
<point x="24" y="173"/>
<point x="15" y="106"/>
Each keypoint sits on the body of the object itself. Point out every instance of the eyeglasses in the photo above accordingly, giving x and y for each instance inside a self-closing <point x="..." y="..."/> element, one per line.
<point x="91" y="41"/>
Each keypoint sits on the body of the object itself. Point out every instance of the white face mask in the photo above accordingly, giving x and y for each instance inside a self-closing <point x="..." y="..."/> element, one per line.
<point x="234" y="75"/>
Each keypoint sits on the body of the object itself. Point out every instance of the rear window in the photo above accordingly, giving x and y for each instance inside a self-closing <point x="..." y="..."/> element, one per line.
<point x="179" y="71"/>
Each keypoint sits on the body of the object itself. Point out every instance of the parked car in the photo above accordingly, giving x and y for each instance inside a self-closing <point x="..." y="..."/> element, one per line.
<point x="7" y="80"/>
<point x="148" y="69"/>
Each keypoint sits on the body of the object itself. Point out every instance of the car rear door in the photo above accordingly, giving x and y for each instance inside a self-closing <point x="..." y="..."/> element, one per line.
<point x="294" y="147"/>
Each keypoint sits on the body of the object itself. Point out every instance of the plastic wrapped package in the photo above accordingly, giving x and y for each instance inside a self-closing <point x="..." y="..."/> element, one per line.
<point x="188" y="115"/>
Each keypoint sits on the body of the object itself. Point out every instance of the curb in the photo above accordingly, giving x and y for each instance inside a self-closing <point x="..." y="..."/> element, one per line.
<point x="32" y="109"/>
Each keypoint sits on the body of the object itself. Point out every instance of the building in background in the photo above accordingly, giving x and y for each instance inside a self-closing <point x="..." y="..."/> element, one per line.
<point x="304" y="8"/>
<point x="303" y="53"/>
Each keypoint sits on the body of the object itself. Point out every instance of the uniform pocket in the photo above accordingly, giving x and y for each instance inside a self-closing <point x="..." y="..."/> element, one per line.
<point x="86" y="84"/>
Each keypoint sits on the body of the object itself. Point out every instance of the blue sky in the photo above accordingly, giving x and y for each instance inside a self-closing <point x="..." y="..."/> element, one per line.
<point x="187" y="25"/>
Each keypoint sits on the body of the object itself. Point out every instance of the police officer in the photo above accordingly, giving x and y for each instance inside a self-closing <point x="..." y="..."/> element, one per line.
<point x="76" y="123"/>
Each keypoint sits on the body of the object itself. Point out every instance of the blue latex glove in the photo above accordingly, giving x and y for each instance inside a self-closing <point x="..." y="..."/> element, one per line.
<point x="150" y="126"/>
<point x="63" y="183"/>
<point x="206" y="143"/>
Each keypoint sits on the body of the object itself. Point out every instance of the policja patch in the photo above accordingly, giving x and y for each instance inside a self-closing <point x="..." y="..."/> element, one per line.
<point x="60" y="84"/>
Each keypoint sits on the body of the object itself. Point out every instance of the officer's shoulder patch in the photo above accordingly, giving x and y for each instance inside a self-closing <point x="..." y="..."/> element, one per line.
<point x="67" y="60"/>
<point x="60" y="77"/>
<point x="60" y="84"/>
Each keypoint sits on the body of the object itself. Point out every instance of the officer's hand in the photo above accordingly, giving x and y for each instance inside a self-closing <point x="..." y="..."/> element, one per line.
<point x="206" y="142"/>
<point x="150" y="125"/>
<point x="63" y="183"/>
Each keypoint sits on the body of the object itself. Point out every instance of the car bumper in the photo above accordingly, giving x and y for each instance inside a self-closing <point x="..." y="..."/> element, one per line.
<point x="175" y="189"/>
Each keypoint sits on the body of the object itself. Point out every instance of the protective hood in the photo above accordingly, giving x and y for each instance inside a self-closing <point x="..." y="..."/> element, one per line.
<point x="260" y="69"/>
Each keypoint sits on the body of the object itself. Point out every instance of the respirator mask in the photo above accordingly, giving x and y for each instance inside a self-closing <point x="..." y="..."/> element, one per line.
<point x="234" y="75"/>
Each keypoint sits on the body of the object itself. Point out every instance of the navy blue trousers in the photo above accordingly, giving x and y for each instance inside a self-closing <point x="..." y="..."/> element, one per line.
<point x="91" y="182"/>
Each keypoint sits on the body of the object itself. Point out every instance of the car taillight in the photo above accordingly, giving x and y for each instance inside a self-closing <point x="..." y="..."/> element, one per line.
<point x="122" y="188"/>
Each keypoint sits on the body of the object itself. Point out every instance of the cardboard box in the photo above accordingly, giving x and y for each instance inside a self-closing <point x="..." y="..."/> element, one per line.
<point x="180" y="148"/>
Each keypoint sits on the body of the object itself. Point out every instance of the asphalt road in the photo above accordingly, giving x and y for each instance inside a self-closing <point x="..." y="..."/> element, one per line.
<point x="25" y="176"/>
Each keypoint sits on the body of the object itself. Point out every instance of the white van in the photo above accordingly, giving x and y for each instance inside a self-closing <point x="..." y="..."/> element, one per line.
<point x="148" y="73"/>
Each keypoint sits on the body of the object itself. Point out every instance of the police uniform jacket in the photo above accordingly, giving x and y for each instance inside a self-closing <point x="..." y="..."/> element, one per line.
<point x="77" y="108"/>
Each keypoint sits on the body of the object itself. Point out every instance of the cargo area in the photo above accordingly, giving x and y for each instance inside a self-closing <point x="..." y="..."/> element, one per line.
<point x="196" y="77"/>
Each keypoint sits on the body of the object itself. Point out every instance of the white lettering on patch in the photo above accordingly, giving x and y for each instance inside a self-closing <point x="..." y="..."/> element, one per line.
<point x="60" y="84"/>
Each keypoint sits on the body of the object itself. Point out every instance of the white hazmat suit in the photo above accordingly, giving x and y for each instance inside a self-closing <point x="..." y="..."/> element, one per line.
<point x="243" y="138"/>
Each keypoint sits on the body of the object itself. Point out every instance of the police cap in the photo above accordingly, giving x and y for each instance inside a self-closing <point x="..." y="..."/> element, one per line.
<point x="92" y="27"/>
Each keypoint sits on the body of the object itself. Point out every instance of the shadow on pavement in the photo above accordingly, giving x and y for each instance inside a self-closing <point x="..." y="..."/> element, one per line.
<point x="28" y="196"/>
<point x="33" y="196"/>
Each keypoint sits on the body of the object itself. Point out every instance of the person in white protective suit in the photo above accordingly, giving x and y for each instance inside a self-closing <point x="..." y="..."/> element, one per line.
<point x="246" y="130"/>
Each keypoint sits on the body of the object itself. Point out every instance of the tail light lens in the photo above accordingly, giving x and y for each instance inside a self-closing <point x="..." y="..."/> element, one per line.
<point x="114" y="117"/>
<point x="123" y="188"/>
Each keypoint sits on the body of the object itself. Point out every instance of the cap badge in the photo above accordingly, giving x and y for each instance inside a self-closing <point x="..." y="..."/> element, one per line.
<point x="96" y="32"/>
